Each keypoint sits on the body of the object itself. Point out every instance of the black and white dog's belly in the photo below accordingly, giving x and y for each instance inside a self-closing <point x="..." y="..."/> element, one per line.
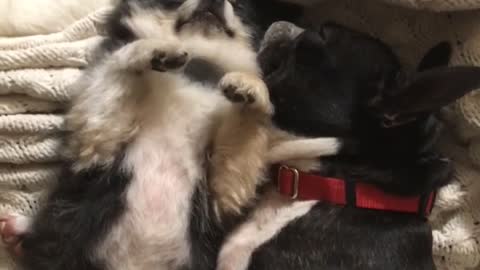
<point x="166" y="161"/>
<point x="95" y="220"/>
<point x="135" y="214"/>
<point x="152" y="232"/>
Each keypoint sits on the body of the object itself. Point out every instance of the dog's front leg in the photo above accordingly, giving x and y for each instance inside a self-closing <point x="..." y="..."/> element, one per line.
<point x="147" y="54"/>
<point x="241" y="143"/>
<point x="104" y="114"/>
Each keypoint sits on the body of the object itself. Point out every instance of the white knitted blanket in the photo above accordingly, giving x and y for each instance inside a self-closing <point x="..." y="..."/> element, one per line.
<point x="36" y="72"/>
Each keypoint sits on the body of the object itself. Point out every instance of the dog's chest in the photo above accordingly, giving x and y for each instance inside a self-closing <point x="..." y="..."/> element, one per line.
<point x="167" y="163"/>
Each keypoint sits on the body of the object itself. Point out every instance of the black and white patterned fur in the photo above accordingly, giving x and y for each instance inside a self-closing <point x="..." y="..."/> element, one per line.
<point x="133" y="195"/>
<point x="338" y="82"/>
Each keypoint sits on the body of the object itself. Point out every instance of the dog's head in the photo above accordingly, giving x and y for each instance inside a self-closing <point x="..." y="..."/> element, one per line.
<point x="318" y="79"/>
<point x="232" y="19"/>
<point x="338" y="82"/>
<point x="213" y="19"/>
<point x="219" y="35"/>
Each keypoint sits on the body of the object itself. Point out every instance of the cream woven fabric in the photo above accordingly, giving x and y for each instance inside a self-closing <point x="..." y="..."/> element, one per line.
<point x="437" y="5"/>
<point x="36" y="72"/>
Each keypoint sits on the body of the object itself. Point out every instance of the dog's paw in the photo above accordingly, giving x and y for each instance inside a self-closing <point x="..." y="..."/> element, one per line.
<point x="227" y="206"/>
<point x="168" y="60"/>
<point x="152" y="54"/>
<point x="231" y="198"/>
<point x="248" y="89"/>
<point x="12" y="228"/>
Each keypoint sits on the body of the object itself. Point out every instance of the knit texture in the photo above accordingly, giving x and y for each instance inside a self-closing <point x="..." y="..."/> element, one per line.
<point x="36" y="74"/>
<point x="438" y="5"/>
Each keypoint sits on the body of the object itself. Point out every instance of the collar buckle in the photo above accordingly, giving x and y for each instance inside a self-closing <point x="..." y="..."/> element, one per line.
<point x="295" y="182"/>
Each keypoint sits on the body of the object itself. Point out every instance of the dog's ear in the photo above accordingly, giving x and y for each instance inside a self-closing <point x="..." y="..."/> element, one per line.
<point x="438" y="56"/>
<point x="309" y="49"/>
<point x="432" y="87"/>
<point x="427" y="91"/>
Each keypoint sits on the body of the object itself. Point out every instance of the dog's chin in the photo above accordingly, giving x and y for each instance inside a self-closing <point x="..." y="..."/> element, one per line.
<point x="210" y="20"/>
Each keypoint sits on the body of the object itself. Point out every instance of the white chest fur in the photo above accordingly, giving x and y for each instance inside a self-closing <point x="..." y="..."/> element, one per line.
<point x="166" y="160"/>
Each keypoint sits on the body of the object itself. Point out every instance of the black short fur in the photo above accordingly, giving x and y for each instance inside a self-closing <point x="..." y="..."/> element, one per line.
<point x="330" y="237"/>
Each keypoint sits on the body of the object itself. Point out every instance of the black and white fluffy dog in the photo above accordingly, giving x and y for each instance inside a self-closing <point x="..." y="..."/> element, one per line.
<point x="134" y="194"/>
<point x="342" y="83"/>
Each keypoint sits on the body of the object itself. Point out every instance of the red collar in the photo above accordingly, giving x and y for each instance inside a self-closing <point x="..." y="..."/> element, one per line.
<point x="305" y="186"/>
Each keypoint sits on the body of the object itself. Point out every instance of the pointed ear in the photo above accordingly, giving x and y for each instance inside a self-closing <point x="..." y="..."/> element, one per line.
<point x="309" y="49"/>
<point x="428" y="91"/>
<point x="438" y="56"/>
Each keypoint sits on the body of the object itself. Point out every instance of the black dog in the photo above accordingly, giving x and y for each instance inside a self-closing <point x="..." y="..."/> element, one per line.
<point x="338" y="82"/>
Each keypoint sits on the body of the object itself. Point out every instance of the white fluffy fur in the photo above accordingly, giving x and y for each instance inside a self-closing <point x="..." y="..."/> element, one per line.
<point x="301" y="148"/>
<point x="30" y="17"/>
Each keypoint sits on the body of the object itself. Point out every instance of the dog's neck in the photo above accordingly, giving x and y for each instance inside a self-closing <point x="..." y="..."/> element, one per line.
<point x="410" y="166"/>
